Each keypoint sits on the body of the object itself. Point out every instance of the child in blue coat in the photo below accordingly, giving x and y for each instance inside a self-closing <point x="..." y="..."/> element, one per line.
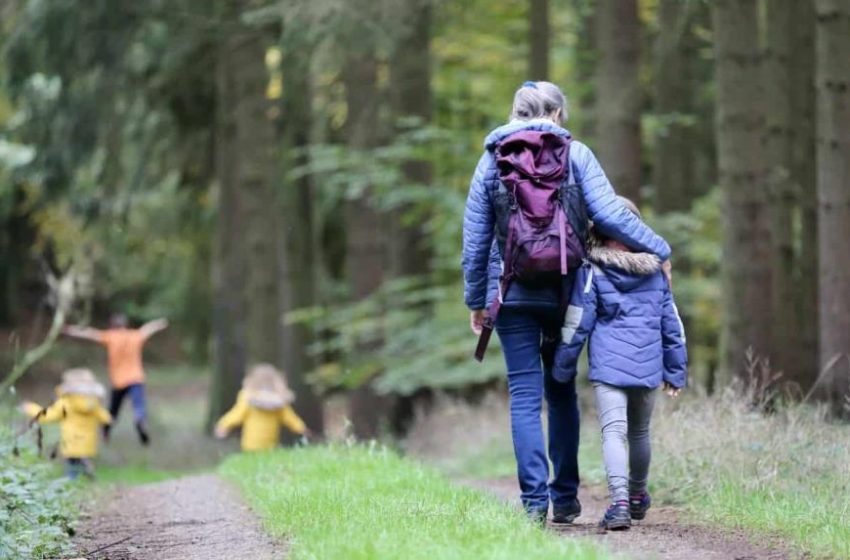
<point x="622" y="302"/>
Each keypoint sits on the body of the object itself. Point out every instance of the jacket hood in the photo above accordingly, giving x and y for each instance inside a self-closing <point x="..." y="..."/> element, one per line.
<point x="81" y="404"/>
<point x="80" y="381"/>
<point x="500" y="133"/>
<point x="625" y="270"/>
<point x="265" y="387"/>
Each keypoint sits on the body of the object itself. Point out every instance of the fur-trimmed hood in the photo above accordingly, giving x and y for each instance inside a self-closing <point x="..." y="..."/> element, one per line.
<point x="624" y="269"/>
<point x="641" y="264"/>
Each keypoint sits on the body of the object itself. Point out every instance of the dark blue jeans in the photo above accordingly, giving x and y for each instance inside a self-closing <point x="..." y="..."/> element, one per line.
<point x="136" y="392"/>
<point x="523" y="332"/>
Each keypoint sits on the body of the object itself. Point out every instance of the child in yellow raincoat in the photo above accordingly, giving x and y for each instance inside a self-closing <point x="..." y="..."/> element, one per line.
<point x="80" y="415"/>
<point x="262" y="406"/>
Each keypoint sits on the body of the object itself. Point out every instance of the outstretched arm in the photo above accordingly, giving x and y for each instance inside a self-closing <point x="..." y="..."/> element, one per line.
<point x="292" y="421"/>
<point x="233" y="418"/>
<point x="83" y="333"/>
<point x="608" y="212"/>
<point x="52" y="413"/>
<point x="152" y="327"/>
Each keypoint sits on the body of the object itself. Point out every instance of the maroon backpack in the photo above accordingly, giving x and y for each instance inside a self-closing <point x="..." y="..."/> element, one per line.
<point x="540" y="243"/>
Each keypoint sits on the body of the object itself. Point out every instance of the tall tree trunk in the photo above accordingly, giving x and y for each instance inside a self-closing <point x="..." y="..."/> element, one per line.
<point x="366" y="233"/>
<point x="675" y="90"/>
<point x="13" y="243"/>
<point x="229" y="312"/>
<point x="411" y="101"/>
<point x="782" y="195"/>
<point x="740" y="125"/>
<point x="259" y="160"/>
<point x="538" y="40"/>
<point x="833" y="177"/>
<point x="247" y="308"/>
<point x="618" y="96"/>
<point x="299" y="273"/>
<point x="804" y="177"/>
<point x="583" y="93"/>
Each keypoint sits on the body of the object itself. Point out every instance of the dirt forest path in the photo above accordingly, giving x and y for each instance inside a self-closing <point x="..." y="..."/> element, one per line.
<point x="664" y="535"/>
<point x="192" y="518"/>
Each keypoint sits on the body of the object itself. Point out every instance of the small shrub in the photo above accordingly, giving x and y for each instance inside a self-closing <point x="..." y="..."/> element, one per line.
<point x="35" y="505"/>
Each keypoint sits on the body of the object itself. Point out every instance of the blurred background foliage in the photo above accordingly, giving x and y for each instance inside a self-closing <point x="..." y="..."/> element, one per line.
<point x="224" y="162"/>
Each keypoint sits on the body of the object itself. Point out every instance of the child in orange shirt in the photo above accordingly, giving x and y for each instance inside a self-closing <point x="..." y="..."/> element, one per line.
<point x="126" y="373"/>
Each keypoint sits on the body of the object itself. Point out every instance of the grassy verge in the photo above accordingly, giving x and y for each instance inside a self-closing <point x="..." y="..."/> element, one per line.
<point x="781" y="474"/>
<point x="784" y="473"/>
<point x="359" y="503"/>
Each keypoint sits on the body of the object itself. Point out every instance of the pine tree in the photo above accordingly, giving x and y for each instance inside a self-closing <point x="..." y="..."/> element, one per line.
<point x="538" y="39"/>
<point x="833" y="173"/>
<point x="782" y="198"/>
<point x="740" y="128"/>
<point x="618" y="94"/>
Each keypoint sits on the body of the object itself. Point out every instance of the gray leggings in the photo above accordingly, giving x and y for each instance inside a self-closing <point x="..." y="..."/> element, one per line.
<point x="624" y="414"/>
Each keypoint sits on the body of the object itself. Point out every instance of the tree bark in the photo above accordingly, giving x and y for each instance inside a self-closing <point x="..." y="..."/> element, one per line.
<point x="538" y="40"/>
<point x="833" y="177"/>
<point x="299" y="270"/>
<point x="411" y="101"/>
<point x="740" y="125"/>
<point x="247" y="308"/>
<point x="366" y="231"/>
<point x="675" y="184"/>
<point x="618" y="96"/>
<point x="804" y="179"/>
<point x="259" y="159"/>
<point x="781" y="193"/>
<point x="229" y="311"/>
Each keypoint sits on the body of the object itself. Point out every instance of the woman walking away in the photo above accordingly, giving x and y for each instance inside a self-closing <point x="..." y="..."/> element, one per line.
<point x="622" y="301"/>
<point x="534" y="183"/>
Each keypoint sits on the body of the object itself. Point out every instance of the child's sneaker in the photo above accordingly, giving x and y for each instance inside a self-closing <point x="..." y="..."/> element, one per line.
<point x="617" y="517"/>
<point x="638" y="504"/>
<point x="567" y="513"/>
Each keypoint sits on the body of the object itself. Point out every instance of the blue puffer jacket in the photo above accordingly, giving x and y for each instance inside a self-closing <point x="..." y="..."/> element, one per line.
<point x="481" y="257"/>
<point x="622" y="301"/>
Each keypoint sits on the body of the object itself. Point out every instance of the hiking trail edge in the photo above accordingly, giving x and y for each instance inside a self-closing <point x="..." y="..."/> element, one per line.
<point x="665" y="534"/>
<point x="197" y="517"/>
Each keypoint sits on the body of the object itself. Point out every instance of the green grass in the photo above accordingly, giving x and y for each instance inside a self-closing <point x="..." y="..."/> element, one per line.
<point x="784" y="474"/>
<point x="368" y="503"/>
<point x="779" y="475"/>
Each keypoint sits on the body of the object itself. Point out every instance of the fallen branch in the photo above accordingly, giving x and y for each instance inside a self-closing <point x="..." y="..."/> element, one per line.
<point x="110" y="545"/>
<point x="62" y="291"/>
